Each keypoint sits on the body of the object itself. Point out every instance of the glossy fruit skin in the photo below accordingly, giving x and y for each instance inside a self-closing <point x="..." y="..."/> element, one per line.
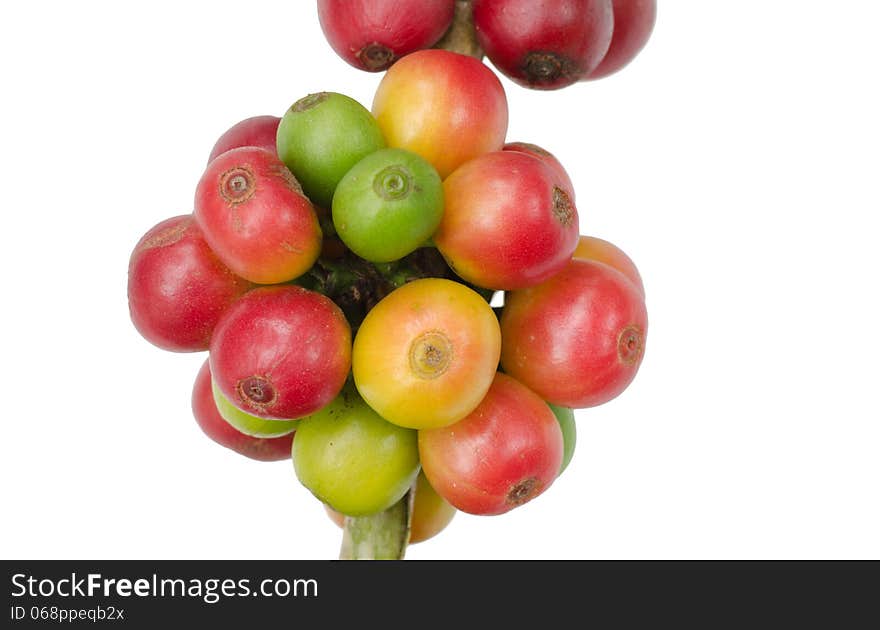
<point x="258" y="131"/>
<point x="633" y="24"/>
<point x="426" y="354"/>
<point x="388" y="205"/>
<point x="177" y="287"/>
<point x="321" y="137"/>
<point x="215" y="427"/>
<point x="578" y="339"/>
<point x="281" y="352"/>
<point x="254" y="216"/>
<point x="600" y="250"/>
<point x="447" y="107"/>
<point x="352" y="459"/>
<point x="373" y="34"/>
<point x="247" y="423"/>
<point x="502" y="455"/>
<point x="508" y="221"/>
<point x="549" y="159"/>
<point x="431" y="513"/>
<point x="544" y="45"/>
<point x="565" y="418"/>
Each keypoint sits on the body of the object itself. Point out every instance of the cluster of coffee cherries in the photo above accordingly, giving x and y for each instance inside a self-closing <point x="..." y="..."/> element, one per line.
<point x="398" y="298"/>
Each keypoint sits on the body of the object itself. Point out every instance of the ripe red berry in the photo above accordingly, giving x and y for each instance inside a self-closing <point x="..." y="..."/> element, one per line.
<point x="259" y="131"/>
<point x="281" y="352"/>
<point x="545" y="45"/>
<point x="503" y="454"/>
<point x="177" y="287"/>
<point x="255" y="217"/>
<point x="373" y="34"/>
<point x="633" y="24"/>
<point x="508" y="221"/>
<point x="578" y="339"/>
<point x="216" y="428"/>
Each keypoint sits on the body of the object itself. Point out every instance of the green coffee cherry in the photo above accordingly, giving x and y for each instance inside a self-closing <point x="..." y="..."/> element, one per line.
<point x="321" y="137"/>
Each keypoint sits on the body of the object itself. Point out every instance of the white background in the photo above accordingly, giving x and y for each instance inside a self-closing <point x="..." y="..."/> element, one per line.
<point x="736" y="160"/>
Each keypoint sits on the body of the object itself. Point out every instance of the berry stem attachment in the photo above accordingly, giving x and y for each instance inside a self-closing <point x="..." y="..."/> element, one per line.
<point x="356" y="285"/>
<point x="382" y="536"/>
<point x="461" y="36"/>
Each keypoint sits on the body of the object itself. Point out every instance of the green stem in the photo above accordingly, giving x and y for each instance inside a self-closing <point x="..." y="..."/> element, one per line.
<point x="382" y="536"/>
<point x="461" y="36"/>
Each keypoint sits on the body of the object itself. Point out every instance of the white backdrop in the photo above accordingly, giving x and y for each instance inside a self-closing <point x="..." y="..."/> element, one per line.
<point x="736" y="161"/>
